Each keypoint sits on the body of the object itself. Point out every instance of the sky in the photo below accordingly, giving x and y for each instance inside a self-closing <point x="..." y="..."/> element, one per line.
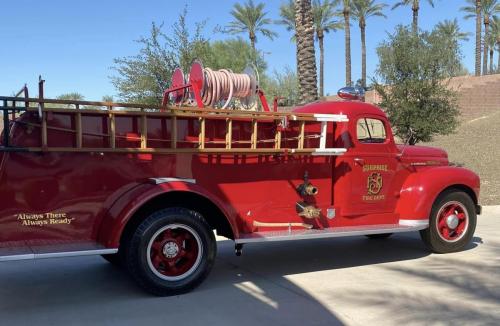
<point x="72" y="44"/>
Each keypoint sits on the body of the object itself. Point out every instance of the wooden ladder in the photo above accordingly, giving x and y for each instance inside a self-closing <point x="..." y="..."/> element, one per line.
<point x="203" y="116"/>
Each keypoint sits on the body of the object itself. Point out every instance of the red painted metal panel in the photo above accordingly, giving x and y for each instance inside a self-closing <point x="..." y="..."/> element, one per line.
<point x="93" y="195"/>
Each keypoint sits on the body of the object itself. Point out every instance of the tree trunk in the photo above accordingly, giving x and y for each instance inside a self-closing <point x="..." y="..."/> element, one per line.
<point x="362" y="25"/>
<point x="498" y="65"/>
<point x="485" y="47"/>
<point x="252" y="42"/>
<point x="347" y="28"/>
<point x="321" y="37"/>
<point x="415" y="10"/>
<point x="478" y="38"/>
<point x="306" y="56"/>
<point x="492" y="52"/>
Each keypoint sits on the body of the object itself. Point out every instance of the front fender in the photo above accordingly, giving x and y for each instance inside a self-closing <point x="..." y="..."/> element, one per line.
<point x="128" y="204"/>
<point x="421" y="189"/>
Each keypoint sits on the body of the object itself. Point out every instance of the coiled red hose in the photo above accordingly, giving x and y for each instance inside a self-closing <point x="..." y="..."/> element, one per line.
<point x="223" y="85"/>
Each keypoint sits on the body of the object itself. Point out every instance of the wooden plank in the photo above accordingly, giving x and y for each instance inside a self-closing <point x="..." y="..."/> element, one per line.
<point x="254" y="134"/>
<point x="201" y="135"/>
<point x="144" y="131"/>
<point x="174" y="132"/>
<point x="79" y="133"/>
<point x="112" y="129"/>
<point x="44" y="129"/>
<point x="277" y="136"/>
<point x="229" y="133"/>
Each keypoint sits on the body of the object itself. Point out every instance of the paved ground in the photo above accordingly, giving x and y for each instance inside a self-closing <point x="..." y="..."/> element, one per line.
<point x="352" y="281"/>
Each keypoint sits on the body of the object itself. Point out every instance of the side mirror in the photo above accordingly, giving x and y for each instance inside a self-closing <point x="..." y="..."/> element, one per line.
<point x="352" y="93"/>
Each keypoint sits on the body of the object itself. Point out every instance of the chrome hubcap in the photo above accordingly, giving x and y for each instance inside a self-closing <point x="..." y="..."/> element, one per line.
<point x="171" y="249"/>
<point x="452" y="221"/>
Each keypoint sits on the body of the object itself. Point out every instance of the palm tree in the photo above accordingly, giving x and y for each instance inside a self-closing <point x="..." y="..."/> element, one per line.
<point x="306" y="57"/>
<point x="287" y="14"/>
<point x="487" y="8"/>
<point x="415" y="7"/>
<point x="324" y="22"/>
<point x="451" y="29"/>
<point x="250" y="18"/>
<point x="495" y="31"/>
<point x="494" y="41"/>
<point x="490" y="8"/>
<point x="474" y="11"/>
<point x="346" y="12"/>
<point x="362" y="10"/>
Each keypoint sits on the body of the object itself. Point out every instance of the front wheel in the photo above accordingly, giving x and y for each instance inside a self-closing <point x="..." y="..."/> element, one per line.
<point x="171" y="252"/>
<point x="452" y="223"/>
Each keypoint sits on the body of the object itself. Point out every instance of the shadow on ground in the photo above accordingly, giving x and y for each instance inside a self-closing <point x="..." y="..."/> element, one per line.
<point x="240" y="290"/>
<point x="464" y="292"/>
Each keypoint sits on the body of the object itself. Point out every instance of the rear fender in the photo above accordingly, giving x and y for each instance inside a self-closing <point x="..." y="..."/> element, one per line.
<point x="122" y="211"/>
<point x="421" y="189"/>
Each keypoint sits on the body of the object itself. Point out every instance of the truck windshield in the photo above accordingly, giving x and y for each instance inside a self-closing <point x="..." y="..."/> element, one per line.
<point x="371" y="131"/>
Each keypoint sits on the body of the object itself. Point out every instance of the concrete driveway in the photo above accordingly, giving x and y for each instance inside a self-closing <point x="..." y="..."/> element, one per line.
<point x="353" y="281"/>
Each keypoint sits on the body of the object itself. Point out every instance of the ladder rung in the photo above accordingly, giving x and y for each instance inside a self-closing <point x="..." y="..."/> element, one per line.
<point x="44" y="129"/>
<point x="201" y="135"/>
<point x="254" y="134"/>
<point x="229" y="133"/>
<point x="112" y="129"/>
<point x="79" y="133"/>
<point x="174" y="132"/>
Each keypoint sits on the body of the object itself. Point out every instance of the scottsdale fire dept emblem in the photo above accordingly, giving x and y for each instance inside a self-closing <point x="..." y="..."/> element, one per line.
<point x="375" y="183"/>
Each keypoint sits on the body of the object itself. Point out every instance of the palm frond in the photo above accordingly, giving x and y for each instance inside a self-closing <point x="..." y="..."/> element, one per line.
<point x="250" y="18"/>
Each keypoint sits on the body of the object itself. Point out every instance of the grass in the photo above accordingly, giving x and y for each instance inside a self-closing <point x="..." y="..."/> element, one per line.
<point x="476" y="145"/>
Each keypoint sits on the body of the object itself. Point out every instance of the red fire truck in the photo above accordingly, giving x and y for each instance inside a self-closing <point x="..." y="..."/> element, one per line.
<point x="145" y="186"/>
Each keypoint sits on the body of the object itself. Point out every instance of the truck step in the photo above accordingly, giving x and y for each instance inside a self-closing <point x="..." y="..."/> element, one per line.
<point x="284" y="235"/>
<point x="54" y="251"/>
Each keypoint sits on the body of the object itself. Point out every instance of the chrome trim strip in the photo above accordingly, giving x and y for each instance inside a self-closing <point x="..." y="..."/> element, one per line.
<point x="158" y="181"/>
<point x="17" y="257"/>
<point x="331" y="117"/>
<point x="326" y="233"/>
<point x="415" y="223"/>
<point x="58" y="254"/>
<point x="329" y="151"/>
<point x="76" y="253"/>
<point x="324" y="117"/>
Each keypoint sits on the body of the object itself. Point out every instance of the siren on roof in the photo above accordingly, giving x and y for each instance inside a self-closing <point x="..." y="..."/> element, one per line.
<point x="352" y="93"/>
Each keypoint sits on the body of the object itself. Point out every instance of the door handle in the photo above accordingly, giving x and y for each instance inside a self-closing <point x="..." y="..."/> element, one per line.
<point x="359" y="161"/>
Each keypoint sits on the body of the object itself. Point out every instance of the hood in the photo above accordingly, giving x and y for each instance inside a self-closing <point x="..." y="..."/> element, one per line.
<point x="423" y="154"/>
<point x="422" y="151"/>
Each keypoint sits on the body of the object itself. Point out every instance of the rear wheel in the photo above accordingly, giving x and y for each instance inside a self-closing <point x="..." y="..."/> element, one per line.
<point x="452" y="223"/>
<point x="171" y="252"/>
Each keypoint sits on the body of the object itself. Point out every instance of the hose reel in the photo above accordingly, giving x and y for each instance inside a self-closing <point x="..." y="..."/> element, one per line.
<point x="215" y="88"/>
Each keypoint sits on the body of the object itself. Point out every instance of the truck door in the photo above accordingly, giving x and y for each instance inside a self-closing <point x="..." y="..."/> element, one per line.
<point x="373" y="166"/>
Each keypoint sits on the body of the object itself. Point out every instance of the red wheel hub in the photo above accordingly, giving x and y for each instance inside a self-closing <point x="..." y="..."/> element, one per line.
<point x="174" y="251"/>
<point x="452" y="221"/>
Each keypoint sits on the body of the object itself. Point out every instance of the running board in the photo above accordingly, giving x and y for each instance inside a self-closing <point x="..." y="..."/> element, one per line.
<point x="54" y="251"/>
<point x="284" y="235"/>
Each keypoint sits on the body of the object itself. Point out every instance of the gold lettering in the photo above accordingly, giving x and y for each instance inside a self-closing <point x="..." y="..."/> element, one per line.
<point x="373" y="197"/>
<point x="50" y="218"/>
<point x="375" y="167"/>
